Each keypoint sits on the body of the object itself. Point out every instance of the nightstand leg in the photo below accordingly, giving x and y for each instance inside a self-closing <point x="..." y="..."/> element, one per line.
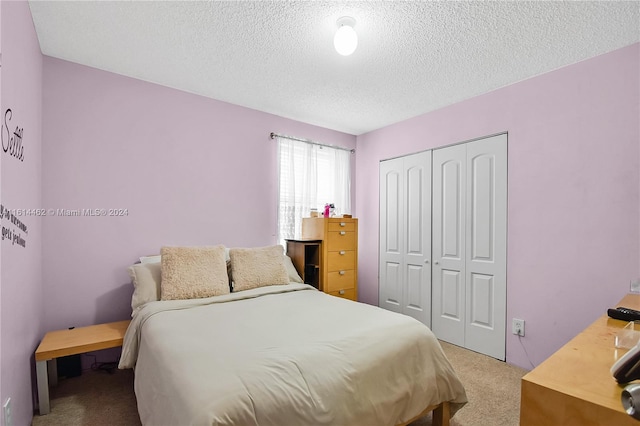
<point x="43" y="387"/>
<point x="52" y="368"/>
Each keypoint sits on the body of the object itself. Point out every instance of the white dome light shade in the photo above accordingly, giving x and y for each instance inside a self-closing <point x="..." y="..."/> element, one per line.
<point x="346" y="39"/>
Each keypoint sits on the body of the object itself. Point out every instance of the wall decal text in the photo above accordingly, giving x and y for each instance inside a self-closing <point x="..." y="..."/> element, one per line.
<point x="12" y="142"/>
<point x="12" y="234"/>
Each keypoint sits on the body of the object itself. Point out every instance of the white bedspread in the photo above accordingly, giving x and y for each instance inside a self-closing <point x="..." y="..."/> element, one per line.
<point x="283" y="355"/>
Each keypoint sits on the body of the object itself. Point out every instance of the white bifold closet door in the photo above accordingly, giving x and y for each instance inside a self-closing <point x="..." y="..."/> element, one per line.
<point x="405" y="236"/>
<point x="469" y="244"/>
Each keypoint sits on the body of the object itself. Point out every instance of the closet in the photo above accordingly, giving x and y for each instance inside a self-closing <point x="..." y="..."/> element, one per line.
<point x="457" y="224"/>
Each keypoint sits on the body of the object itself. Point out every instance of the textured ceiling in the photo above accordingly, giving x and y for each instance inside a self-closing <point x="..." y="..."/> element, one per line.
<point x="278" y="57"/>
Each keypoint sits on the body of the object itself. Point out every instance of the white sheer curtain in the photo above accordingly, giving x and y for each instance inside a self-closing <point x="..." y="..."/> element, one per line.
<point x="310" y="177"/>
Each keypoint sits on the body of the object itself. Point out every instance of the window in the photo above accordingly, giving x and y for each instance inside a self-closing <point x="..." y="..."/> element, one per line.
<point x="310" y="176"/>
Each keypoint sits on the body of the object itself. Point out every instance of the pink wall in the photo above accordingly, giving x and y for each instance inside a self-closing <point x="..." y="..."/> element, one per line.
<point x="189" y="170"/>
<point x="1" y="109"/>
<point x="21" y="272"/>
<point x="574" y="205"/>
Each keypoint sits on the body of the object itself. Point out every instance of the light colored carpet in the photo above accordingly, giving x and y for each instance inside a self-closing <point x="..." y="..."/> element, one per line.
<point x="493" y="389"/>
<point x="97" y="398"/>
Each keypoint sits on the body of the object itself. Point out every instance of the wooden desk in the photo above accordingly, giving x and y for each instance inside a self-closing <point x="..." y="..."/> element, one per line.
<point x="575" y="386"/>
<point x="60" y="343"/>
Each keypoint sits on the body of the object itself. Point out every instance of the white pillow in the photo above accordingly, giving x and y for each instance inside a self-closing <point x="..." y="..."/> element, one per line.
<point x="150" y="259"/>
<point x="291" y="271"/>
<point x="146" y="279"/>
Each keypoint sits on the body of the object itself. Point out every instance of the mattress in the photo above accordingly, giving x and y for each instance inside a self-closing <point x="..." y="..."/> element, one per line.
<point x="284" y="355"/>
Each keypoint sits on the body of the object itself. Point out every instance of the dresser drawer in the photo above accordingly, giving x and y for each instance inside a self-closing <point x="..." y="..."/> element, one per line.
<point x="341" y="260"/>
<point x="341" y="240"/>
<point x="345" y="293"/>
<point x="340" y="280"/>
<point x="338" y="225"/>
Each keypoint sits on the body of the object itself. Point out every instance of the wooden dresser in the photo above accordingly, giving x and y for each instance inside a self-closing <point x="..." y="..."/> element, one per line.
<point x="339" y="253"/>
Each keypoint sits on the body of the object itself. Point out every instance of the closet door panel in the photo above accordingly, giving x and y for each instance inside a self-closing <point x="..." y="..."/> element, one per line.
<point x="452" y="288"/>
<point x="481" y="205"/>
<point x="391" y="234"/>
<point x="414" y="294"/>
<point x="451" y="205"/>
<point x="393" y="211"/>
<point x="450" y="323"/>
<point x="415" y="210"/>
<point x="481" y="300"/>
<point x="393" y="286"/>
<point x="417" y="235"/>
<point x="486" y="242"/>
<point x="448" y="189"/>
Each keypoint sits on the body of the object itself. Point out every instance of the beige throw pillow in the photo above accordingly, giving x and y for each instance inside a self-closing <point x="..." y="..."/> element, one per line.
<point x="146" y="278"/>
<point x="257" y="267"/>
<point x="193" y="272"/>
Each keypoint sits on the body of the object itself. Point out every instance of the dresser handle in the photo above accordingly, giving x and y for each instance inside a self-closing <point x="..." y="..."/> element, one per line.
<point x="343" y="224"/>
<point x="342" y="272"/>
<point x="342" y="252"/>
<point x="341" y="292"/>
<point x="343" y="233"/>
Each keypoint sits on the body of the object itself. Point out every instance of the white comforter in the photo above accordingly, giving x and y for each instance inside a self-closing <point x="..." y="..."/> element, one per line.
<point x="283" y="355"/>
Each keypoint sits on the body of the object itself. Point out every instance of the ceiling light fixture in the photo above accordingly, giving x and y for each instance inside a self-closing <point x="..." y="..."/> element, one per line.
<point x="346" y="39"/>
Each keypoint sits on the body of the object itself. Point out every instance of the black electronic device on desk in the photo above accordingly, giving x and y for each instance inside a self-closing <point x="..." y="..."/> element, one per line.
<point x="624" y="314"/>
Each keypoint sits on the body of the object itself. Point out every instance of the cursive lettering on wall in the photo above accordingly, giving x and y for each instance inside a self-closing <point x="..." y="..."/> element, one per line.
<point x="12" y="143"/>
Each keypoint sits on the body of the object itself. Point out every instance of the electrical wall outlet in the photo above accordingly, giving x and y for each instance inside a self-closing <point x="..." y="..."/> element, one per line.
<point x="517" y="327"/>
<point x="6" y="412"/>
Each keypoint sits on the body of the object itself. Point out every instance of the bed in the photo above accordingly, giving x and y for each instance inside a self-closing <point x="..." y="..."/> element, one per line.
<point x="284" y="354"/>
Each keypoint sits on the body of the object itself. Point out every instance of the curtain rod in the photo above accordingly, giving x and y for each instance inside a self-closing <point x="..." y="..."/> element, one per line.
<point x="278" y="135"/>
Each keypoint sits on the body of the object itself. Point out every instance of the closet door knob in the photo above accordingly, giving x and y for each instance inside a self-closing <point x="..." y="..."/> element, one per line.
<point x="436" y="262"/>
<point x="426" y="261"/>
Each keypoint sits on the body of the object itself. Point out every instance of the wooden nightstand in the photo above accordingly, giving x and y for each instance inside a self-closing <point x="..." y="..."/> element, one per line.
<point x="305" y="255"/>
<point x="75" y="341"/>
